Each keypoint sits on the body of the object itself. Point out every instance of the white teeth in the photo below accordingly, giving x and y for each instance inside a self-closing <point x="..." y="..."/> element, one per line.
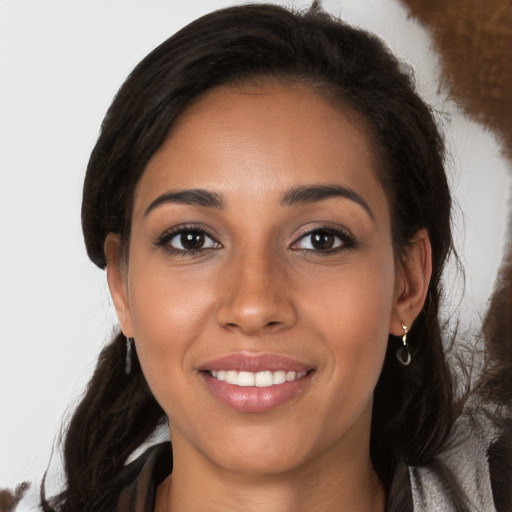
<point x="263" y="379"/>
<point x="279" y="377"/>
<point x="232" y="377"/>
<point x="245" y="379"/>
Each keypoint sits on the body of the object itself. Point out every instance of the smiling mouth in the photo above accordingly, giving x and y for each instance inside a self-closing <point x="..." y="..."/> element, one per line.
<point x="262" y="379"/>
<point x="258" y="384"/>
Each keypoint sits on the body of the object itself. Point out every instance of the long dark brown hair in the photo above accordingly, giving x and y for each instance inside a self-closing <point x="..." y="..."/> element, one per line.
<point x="414" y="407"/>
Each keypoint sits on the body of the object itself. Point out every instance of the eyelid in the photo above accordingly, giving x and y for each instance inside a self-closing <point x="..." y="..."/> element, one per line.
<point x="348" y="240"/>
<point x="164" y="239"/>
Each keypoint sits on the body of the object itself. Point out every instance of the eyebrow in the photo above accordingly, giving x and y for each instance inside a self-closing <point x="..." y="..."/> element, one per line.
<point x="309" y="194"/>
<point x="195" y="197"/>
<point x="306" y="194"/>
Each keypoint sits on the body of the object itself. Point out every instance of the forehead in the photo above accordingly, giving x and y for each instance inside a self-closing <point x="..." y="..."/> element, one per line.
<point x="258" y="141"/>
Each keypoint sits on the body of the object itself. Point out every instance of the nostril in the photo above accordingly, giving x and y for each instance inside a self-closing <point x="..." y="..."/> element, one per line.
<point x="252" y="314"/>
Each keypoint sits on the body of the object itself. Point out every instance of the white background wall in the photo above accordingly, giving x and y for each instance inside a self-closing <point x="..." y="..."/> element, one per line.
<point x="60" y="65"/>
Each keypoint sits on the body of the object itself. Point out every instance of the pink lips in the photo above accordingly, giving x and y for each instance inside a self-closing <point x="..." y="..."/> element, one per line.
<point x="255" y="363"/>
<point x="255" y="399"/>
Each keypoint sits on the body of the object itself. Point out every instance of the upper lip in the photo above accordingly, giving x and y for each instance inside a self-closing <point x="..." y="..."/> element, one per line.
<point x="255" y="363"/>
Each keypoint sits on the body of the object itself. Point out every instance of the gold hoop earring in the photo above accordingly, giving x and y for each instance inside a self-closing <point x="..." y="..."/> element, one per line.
<point x="402" y="354"/>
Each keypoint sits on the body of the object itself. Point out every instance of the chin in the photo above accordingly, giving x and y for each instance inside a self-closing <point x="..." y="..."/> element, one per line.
<point x="254" y="462"/>
<point x="261" y="451"/>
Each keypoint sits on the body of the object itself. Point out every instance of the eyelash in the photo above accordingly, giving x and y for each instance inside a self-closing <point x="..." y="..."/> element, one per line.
<point x="347" y="240"/>
<point x="165" y="240"/>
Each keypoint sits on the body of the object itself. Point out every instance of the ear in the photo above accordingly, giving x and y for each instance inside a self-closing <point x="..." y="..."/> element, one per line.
<point x="411" y="282"/>
<point x="117" y="282"/>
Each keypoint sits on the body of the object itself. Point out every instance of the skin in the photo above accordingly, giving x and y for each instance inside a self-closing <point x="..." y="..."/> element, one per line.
<point x="261" y="287"/>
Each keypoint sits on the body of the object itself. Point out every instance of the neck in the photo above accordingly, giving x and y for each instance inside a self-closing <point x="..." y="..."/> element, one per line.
<point x="323" y="486"/>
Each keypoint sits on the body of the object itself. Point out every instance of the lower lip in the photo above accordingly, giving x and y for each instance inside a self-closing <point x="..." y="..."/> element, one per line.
<point x="255" y="399"/>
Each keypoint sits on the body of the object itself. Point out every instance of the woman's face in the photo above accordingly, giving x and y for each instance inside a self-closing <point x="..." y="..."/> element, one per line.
<point x="261" y="283"/>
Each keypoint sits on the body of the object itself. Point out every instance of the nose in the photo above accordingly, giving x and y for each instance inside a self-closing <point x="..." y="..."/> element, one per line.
<point x="256" y="297"/>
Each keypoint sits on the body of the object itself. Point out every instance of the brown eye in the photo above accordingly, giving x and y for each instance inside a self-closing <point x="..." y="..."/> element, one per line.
<point x="322" y="241"/>
<point x="192" y="240"/>
<point x="319" y="240"/>
<point x="188" y="241"/>
<point x="325" y="240"/>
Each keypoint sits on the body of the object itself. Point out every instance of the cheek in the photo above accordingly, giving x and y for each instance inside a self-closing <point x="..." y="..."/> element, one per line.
<point x="356" y="302"/>
<point x="369" y="311"/>
<point x="168" y="314"/>
<point x="353" y="314"/>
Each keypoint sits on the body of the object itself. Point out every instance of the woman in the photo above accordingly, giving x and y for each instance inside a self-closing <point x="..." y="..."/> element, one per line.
<point x="269" y="200"/>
